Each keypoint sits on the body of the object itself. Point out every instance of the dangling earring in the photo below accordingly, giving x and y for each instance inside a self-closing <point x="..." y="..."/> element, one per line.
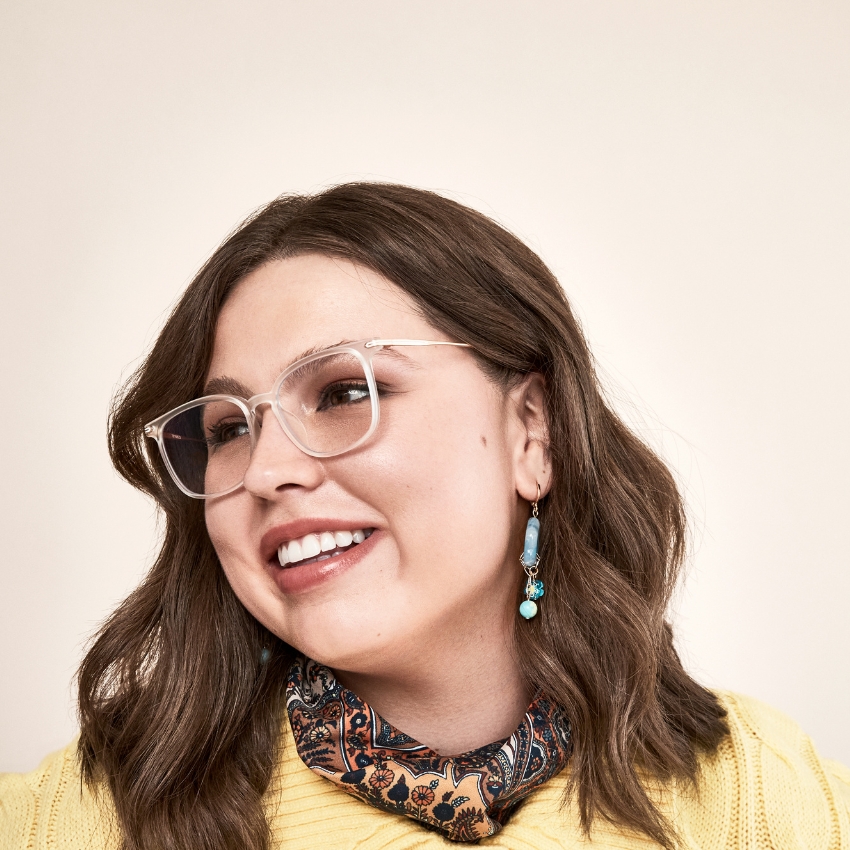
<point x="530" y="561"/>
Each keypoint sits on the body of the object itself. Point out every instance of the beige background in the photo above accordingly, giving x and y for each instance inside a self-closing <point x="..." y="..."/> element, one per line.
<point x="682" y="166"/>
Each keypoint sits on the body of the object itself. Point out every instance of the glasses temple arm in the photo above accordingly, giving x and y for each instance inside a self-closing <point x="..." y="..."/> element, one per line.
<point x="385" y="343"/>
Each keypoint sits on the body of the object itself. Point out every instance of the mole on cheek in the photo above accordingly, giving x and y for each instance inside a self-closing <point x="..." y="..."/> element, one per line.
<point x="484" y="441"/>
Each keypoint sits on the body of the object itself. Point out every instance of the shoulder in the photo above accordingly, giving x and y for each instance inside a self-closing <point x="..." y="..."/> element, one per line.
<point x="50" y="807"/>
<point x="765" y="786"/>
<point x="758" y="728"/>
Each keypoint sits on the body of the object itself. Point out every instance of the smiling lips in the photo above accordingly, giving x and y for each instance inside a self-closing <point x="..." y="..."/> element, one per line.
<point x="319" y="547"/>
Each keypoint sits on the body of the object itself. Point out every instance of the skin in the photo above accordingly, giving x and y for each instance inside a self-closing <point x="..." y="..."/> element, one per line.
<point x="420" y="627"/>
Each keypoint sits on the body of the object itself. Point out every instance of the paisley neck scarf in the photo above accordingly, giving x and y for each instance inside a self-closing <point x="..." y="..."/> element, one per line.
<point x="465" y="797"/>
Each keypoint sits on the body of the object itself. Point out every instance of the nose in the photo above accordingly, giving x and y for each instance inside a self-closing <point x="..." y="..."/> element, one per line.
<point x="277" y="464"/>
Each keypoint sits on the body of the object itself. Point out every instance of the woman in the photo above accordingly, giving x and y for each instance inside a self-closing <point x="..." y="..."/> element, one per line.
<point x="413" y="578"/>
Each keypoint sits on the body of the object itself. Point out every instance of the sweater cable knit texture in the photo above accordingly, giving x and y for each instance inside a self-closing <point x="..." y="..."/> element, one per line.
<point x="765" y="787"/>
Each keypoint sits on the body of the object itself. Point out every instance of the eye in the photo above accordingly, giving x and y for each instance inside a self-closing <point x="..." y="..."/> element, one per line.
<point x="343" y="394"/>
<point x="224" y="432"/>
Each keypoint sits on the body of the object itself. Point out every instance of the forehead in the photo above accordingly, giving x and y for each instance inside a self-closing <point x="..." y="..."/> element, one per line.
<point x="288" y="306"/>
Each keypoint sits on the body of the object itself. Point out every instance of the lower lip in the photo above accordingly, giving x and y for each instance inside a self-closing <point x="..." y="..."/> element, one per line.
<point x="292" y="580"/>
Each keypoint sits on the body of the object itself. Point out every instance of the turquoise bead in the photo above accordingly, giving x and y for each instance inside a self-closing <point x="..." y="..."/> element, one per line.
<point x="532" y="533"/>
<point x="534" y="588"/>
<point x="528" y="609"/>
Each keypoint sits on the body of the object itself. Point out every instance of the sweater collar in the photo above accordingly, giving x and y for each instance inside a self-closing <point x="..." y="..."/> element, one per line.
<point x="464" y="797"/>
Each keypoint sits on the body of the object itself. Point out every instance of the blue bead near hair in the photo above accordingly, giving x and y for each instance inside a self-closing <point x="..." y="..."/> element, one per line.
<point x="530" y="561"/>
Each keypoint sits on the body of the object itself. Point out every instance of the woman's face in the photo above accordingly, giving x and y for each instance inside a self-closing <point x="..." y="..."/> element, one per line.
<point x="434" y="490"/>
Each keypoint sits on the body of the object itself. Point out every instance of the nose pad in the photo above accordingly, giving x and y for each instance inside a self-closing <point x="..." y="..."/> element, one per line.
<point x="265" y="416"/>
<point x="295" y="426"/>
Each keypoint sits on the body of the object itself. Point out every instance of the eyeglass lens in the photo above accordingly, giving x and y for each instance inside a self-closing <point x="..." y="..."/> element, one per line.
<point x="326" y="404"/>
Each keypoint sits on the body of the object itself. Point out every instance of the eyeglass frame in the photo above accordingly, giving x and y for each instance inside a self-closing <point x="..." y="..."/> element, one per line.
<point x="364" y="350"/>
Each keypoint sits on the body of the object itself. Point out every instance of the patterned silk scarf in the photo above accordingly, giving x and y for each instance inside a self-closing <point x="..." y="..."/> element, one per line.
<point x="465" y="797"/>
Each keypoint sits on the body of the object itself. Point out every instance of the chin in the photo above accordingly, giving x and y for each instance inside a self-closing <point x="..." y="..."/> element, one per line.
<point x="363" y="644"/>
<point x="341" y="654"/>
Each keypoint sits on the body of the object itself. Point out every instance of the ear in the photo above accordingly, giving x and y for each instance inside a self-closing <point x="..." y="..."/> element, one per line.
<point x="530" y="438"/>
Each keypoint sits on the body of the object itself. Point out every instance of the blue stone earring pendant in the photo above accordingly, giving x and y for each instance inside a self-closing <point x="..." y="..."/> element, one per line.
<point x="530" y="561"/>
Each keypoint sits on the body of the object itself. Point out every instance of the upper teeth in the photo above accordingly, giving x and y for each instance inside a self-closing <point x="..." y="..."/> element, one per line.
<point x="311" y="545"/>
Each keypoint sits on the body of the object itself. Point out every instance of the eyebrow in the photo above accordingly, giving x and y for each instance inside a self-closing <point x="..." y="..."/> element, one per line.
<point x="315" y="349"/>
<point x="226" y="385"/>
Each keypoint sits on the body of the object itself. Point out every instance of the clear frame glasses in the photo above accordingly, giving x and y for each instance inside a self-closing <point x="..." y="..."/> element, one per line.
<point x="326" y="403"/>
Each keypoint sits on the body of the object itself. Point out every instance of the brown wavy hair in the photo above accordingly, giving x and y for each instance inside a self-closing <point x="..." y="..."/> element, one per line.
<point x="180" y="693"/>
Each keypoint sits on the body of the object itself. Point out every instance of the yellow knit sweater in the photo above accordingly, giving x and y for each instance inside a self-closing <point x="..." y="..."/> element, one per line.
<point x="766" y="787"/>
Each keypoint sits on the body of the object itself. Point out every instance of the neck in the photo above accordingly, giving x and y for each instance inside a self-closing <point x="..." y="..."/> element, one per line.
<point x="454" y="706"/>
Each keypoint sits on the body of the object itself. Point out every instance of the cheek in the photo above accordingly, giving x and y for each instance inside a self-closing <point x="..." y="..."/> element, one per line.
<point x="229" y="527"/>
<point x="220" y="521"/>
<point x="442" y="477"/>
<point x="227" y="523"/>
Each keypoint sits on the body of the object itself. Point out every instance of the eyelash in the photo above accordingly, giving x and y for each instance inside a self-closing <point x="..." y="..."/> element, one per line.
<point x="214" y="439"/>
